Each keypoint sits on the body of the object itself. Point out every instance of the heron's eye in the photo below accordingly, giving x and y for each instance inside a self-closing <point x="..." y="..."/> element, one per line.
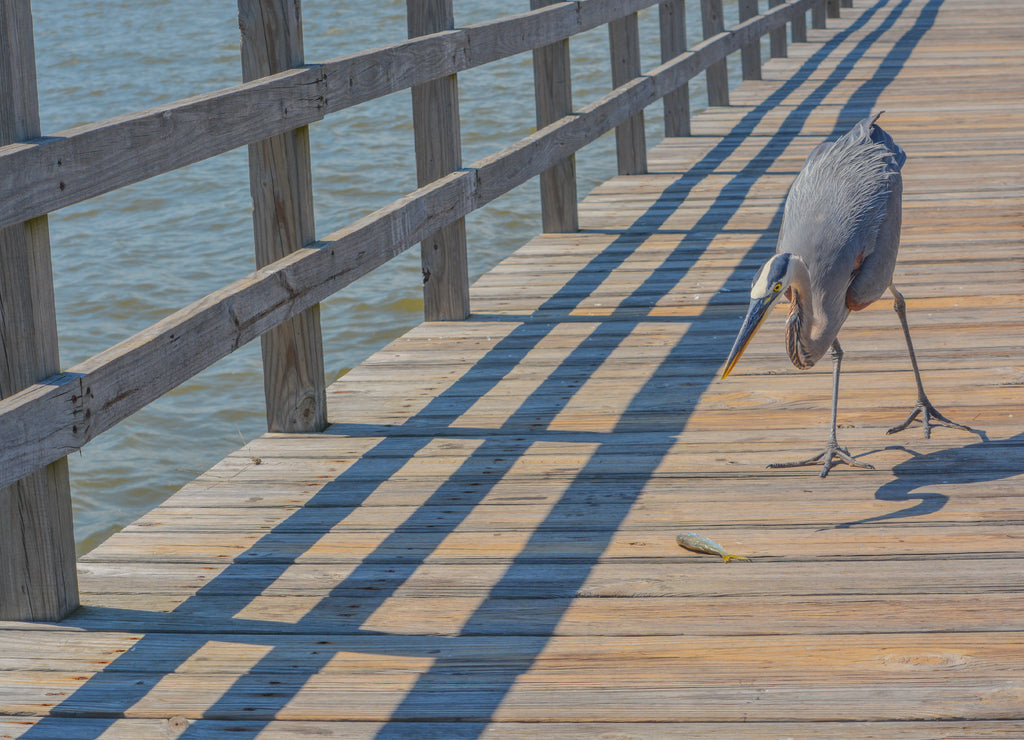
<point x="777" y="287"/>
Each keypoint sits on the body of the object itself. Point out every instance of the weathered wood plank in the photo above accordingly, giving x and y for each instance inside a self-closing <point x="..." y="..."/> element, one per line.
<point x="37" y="548"/>
<point x="131" y="729"/>
<point x="281" y="184"/>
<point x="751" y="53"/>
<point x="436" y="126"/>
<point x="672" y="26"/>
<point x="777" y="39"/>
<point x="99" y="391"/>
<point x="44" y="175"/>
<point x="713" y="21"/>
<point x="624" y="48"/>
<point x="552" y="81"/>
<point x="487" y="534"/>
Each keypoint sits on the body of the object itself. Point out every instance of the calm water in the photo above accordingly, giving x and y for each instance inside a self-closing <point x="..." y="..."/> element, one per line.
<point x="127" y="259"/>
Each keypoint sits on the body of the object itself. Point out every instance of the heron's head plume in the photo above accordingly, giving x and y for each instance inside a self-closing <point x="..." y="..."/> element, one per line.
<point x="770" y="284"/>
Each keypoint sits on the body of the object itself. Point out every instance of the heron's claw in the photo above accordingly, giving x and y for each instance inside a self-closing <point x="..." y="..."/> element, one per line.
<point x="831" y="454"/>
<point x="930" y="417"/>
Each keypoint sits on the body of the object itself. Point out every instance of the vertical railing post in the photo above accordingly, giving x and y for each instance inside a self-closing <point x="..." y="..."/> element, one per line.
<point x="818" y="13"/>
<point x="672" y="17"/>
<point x="800" y="28"/>
<point x="435" y="116"/>
<point x="282" y="194"/>
<point x="718" y="73"/>
<point x="38" y="578"/>
<point x="777" y="38"/>
<point x="630" y="141"/>
<point x="833" y="8"/>
<point x="751" y="53"/>
<point x="552" y="84"/>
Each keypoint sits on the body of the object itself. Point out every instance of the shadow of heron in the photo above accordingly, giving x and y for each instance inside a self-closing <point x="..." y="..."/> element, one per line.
<point x="982" y="462"/>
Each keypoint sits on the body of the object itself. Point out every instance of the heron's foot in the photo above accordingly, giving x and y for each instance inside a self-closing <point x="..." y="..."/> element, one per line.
<point x="832" y="454"/>
<point x="930" y="417"/>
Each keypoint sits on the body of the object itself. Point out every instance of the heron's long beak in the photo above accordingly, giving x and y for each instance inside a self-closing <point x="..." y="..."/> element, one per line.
<point x="756" y="314"/>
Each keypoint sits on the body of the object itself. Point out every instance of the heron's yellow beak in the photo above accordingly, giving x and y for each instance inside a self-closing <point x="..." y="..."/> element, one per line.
<point x="756" y="314"/>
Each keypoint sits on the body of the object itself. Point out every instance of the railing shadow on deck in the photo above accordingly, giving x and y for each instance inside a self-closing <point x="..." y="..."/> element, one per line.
<point x="441" y="693"/>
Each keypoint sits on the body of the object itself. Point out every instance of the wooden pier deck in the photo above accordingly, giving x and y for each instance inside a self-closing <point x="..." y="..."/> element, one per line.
<point x="482" y="544"/>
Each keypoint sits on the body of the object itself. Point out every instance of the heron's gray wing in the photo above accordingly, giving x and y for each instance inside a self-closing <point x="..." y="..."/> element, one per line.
<point x="873" y="275"/>
<point x="842" y="218"/>
<point x="881" y="239"/>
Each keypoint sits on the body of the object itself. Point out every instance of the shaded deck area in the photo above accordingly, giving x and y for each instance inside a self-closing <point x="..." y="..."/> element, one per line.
<point x="483" y="542"/>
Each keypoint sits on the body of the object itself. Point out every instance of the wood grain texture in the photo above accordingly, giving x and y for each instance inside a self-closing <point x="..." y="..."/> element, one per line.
<point x="672" y="26"/>
<point x="751" y="53"/>
<point x="713" y="22"/>
<point x="482" y="544"/>
<point x="281" y="184"/>
<point x="46" y="421"/>
<point x="630" y="141"/>
<point x="435" y="115"/>
<point x="37" y="548"/>
<point x="552" y="83"/>
<point x="67" y="167"/>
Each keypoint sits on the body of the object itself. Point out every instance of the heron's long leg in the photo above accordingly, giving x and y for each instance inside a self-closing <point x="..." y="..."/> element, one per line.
<point x="832" y="451"/>
<point x="923" y="407"/>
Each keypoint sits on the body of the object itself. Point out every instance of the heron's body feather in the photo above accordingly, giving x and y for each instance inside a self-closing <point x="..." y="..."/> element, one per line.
<point x="842" y="219"/>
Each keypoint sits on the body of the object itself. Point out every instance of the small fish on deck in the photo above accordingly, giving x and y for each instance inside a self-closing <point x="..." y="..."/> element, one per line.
<point x="700" y="543"/>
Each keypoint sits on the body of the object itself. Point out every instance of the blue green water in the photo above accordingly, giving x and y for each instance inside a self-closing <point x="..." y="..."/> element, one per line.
<point x="124" y="260"/>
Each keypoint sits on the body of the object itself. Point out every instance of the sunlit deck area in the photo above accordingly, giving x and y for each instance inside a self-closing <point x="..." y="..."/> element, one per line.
<point x="483" y="542"/>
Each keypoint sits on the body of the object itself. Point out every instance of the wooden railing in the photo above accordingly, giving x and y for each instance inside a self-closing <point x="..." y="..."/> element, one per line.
<point x="45" y="414"/>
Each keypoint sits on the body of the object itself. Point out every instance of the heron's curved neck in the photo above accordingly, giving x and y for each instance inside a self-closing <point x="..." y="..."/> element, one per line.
<point x="805" y="342"/>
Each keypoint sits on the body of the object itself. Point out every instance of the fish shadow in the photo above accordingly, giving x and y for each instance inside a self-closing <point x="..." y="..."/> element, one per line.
<point x="982" y="462"/>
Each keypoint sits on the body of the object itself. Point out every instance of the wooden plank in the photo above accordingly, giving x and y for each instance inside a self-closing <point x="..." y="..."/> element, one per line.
<point x="818" y="15"/>
<point x="672" y="26"/>
<point x="751" y="53"/>
<point x="131" y="729"/>
<point x="552" y="81"/>
<point x="713" y="21"/>
<point x="487" y="535"/>
<point x="777" y="38"/>
<point x="96" y="394"/>
<point x="281" y="184"/>
<point x="37" y="547"/>
<point x="800" y="28"/>
<point x="624" y="48"/>
<point x="435" y="113"/>
<point x="46" y="174"/>
<point x="92" y="396"/>
<point x="688" y="576"/>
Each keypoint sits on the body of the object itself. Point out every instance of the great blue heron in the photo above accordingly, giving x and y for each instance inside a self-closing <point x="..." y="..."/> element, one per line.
<point x="836" y="253"/>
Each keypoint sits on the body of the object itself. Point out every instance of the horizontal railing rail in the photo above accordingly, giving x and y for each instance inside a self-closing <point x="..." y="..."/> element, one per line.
<point x="51" y="418"/>
<point x="68" y="167"/>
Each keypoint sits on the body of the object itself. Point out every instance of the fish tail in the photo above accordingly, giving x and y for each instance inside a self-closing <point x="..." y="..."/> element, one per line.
<point x="729" y="556"/>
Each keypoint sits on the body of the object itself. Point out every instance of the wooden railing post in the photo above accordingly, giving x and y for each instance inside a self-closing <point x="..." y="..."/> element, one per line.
<point x="435" y="116"/>
<point x="552" y="84"/>
<point x="818" y="13"/>
<point x="38" y="578"/>
<point x="630" y="140"/>
<point x="282" y="194"/>
<point x="800" y="28"/>
<point x="777" y="38"/>
<point x="833" y="8"/>
<point x="718" y="73"/>
<point x="672" y="17"/>
<point x="751" y="53"/>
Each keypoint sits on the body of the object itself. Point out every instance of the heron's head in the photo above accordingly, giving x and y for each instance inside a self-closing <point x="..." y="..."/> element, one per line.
<point x="769" y="285"/>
